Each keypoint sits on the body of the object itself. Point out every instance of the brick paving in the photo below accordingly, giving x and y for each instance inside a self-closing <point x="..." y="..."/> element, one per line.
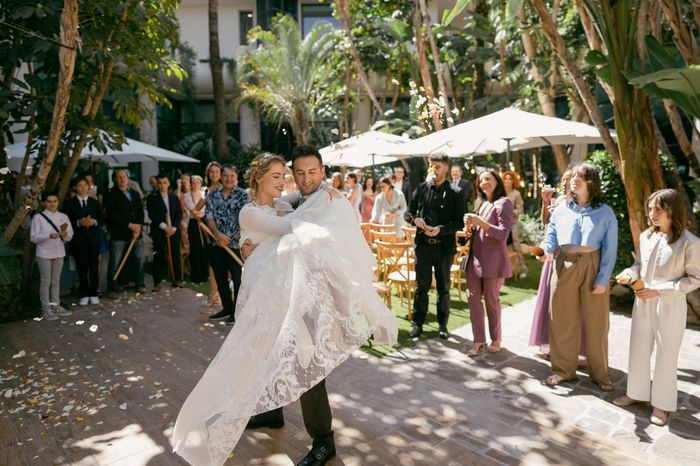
<point x="77" y="397"/>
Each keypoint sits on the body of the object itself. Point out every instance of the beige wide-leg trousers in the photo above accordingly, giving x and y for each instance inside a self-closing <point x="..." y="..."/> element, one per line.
<point x="572" y="303"/>
<point x="661" y="322"/>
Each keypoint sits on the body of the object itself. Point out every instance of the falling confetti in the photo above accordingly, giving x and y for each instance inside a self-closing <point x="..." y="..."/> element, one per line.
<point x="93" y="328"/>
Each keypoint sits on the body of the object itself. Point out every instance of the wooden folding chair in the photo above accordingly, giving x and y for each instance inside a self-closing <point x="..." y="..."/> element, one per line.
<point x="456" y="267"/>
<point x="396" y="273"/>
<point x="382" y="227"/>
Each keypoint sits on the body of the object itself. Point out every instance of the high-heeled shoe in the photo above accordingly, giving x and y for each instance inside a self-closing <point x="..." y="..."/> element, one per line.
<point x="495" y="347"/>
<point x="476" y="349"/>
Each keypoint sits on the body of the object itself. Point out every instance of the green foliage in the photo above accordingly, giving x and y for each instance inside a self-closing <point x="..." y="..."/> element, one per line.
<point x="138" y="37"/>
<point x="532" y="230"/>
<point x="292" y="79"/>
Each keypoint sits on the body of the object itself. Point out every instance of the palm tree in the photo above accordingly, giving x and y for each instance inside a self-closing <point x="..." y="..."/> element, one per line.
<point x="217" y="81"/>
<point x="290" y="77"/>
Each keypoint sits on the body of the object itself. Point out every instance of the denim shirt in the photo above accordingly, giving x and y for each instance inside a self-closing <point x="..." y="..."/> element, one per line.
<point x="225" y="211"/>
<point x="587" y="226"/>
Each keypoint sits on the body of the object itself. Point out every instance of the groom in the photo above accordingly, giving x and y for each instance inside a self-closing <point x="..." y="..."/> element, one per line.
<point x="309" y="174"/>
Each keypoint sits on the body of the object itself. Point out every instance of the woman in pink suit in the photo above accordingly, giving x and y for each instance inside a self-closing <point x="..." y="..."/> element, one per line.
<point x="488" y="264"/>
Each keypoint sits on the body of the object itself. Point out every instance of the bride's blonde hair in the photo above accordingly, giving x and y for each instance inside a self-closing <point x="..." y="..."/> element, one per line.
<point x="260" y="165"/>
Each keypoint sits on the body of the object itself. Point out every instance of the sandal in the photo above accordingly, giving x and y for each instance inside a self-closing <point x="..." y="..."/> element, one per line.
<point x="476" y="349"/>
<point x="493" y="348"/>
<point x="606" y="386"/>
<point x="554" y="380"/>
<point x="624" y="401"/>
<point x="659" y="417"/>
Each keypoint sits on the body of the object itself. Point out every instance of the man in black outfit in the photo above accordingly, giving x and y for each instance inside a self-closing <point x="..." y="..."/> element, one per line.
<point x="85" y="214"/>
<point x="309" y="174"/>
<point x="124" y="218"/>
<point x="165" y="213"/>
<point x="402" y="184"/>
<point x="461" y="186"/>
<point x="437" y="211"/>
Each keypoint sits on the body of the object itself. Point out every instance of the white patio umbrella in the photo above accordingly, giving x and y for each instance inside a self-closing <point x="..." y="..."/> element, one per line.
<point x="361" y="151"/>
<point x="131" y="151"/>
<point x="502" y="131"/>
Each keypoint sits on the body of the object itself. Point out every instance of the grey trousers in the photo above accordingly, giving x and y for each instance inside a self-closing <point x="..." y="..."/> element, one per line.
<point x="49" y="281"/>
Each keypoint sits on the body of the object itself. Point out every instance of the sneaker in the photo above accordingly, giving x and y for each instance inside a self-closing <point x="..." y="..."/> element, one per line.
<point x="48" y="314"/>
<point x="62" y="311"/>
<point x="231" y="320"/>
<point x="221" y="315"/>
<point x="94" y="300"/>
<point x="84" y="301"/>
<point x="416" y="331"/>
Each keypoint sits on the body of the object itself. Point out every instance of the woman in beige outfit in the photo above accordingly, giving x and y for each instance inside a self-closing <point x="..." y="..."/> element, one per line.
<point x="667" y="268"/>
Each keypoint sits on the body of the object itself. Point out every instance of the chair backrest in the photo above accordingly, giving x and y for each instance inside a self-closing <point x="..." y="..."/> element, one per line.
<point x="462" y="249"/>
<point x="410" y="233"/>
<point x="382" y="227"/>
<point x="390" y="255"/>
<point x="387" y="236"/>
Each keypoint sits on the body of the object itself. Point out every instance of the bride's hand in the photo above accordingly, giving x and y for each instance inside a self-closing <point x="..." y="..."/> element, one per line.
<point x="334" y="193"/>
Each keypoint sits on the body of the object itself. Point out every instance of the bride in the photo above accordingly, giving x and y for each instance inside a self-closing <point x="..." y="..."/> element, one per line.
<point x="306" y="303"/>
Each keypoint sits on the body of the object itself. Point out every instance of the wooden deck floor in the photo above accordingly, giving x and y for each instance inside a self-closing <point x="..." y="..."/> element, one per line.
<point x="75" y="392"/>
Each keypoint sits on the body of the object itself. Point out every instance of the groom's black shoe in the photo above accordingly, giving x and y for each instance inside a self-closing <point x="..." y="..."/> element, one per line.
<point x="260" y="422"/>
<point x="443" y="332"/>
<point x="416" y="331"/>
<point x="320" y="454"/>
<point x="222" y="314"/>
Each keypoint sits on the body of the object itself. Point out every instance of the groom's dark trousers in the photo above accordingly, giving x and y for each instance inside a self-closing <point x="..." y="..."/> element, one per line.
<point x="315" y="410"/>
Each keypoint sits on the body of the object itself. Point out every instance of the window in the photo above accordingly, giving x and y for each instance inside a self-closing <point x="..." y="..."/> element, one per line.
<point x="316" y="13"/>
<point x="245" y="24"/>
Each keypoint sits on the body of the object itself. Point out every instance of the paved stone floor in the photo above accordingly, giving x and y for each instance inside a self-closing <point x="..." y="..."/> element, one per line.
<point x="103" y="387"/>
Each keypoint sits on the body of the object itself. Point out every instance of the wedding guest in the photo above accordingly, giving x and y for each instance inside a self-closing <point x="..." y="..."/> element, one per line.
<point x="436" y="211"/>
<point x="184" y="186"/>
<point x="389" y="207"/>
<point x="212" y="178"/>
<point x="353" y="192"/>
<point x="166" y="214"/>
<point x="124" y="216"/>
<point x="585" y="231"/>
<point x="460" y="185"/>
<point x="85" y="214"/>
<point x="223" y="208"/>
<point x="153" y="184"/>
<point x="337" y="181"/>
<point x="198" y="240"/>
<point x="488" y="264"/>
<point x="539" y="333"/>
<point x="92" y="188"/>
<point x="369" y="194"/>
<point x="511" y="181"/>
<point x="666" y="270"/>
<point x="50" y="229"/>
<point x="401" y="184"/>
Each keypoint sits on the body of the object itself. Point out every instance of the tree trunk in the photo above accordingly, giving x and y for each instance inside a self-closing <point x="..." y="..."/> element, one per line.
<point x="682" y="37"/>
<point x="677" y="181"/>
<point x="594" y="43"/>
<point x="437" y="63"/>
<point x="630" y="176"/>
<point x="342" y="7"/>
<point x="399" y="75"/>
<point x="217" y="78"/>
<point x="544" y="92"/>
<point x="424" y="71"/>
<point x="686" y="146"/>
<point x="69" y="37"/>
<point x="479" y="81"/>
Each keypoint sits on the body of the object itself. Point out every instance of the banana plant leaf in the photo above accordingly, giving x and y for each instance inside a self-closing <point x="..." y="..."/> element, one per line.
<point x="681" y="85"/>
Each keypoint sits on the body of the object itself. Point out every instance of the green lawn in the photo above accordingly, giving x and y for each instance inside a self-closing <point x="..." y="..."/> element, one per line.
<point x="513" y="292"/>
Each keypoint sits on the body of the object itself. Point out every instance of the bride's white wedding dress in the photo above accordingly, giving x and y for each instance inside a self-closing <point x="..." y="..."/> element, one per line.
<point x="306" y="303"/>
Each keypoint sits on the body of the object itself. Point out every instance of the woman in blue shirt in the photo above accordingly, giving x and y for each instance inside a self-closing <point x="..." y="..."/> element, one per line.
<point x="584" y="231"/>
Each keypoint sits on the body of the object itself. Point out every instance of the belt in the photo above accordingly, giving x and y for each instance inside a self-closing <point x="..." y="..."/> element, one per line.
<point x="433" y="241"/>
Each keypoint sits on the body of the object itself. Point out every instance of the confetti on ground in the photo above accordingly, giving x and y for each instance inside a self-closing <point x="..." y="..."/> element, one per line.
<point x="123" y="337"/>
<point x="93" y="328"/>
<point x="21" y="354"/>
<point x="80" y="322"/>
<point x="122" y="406"/>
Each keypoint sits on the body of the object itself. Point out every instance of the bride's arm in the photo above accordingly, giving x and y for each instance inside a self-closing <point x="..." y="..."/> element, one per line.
<point x="256" y="220"/>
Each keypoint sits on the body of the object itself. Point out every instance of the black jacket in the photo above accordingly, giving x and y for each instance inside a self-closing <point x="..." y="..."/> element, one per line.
<point x="157" y="213"/>
<point x="447" y="213"/>
<point x="84" y="235"/>
<point x="120" y="212"/>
